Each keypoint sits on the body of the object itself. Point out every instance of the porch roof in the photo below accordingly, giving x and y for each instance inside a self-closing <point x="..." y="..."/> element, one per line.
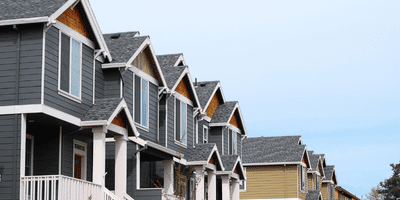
<point x="102" y="109"/>
<point x="313" y="195"/>
<point x="232" y="162"/>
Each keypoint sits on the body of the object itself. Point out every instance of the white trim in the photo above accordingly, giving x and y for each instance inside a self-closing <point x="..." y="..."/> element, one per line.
<point x="121" y="89"/>
<point x="32" y="152"/>
<point x="69" y="96"/>
<point x="207" y="118"/>
<point x="60" y="152"/>
<point x="183" y="99"/>
<point x="23" y="145"/>
<point x="74" y="34"/>
<point x="276" y="163"/>
<point x="181" y="161"/>
<point x="112" y="65"/>
<point x="178" y="142"/>
<point x="84" y="159"/>
<point x="60" y="11"/>
<point x="43" y="63"/>
<point x="137" y="168"/>
<point x="117" y="129"/>
<point x="166" y="121"/>
<point x="144" y="75"/>
<point x="205" y="127"/>
<point x="180" y="79"/>
<point x="94" y="123"/>
<point x="179" y="60"/>
<point x="139" y="50"/>
<point x="24" y="21"/>
<point x="212" y="95"/>
<point x="163" y="149"/>
<point x="211" y="166"/>
<point x="138" y="140"/>
<point x="197" y="131"/>
<point x="59" y="59"/>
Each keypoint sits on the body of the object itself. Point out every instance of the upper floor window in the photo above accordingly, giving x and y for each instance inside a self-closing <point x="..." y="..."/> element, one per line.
<point x="205" y="134"/>
<point x="302" y="181"/>
<point x="181" y="121"/>
<point x="234" y="142"/>
<point x="70" y="69"/>
<point x="331" y="192"/>
<point x="316" y="182"/>
<point x="142" y="101"/>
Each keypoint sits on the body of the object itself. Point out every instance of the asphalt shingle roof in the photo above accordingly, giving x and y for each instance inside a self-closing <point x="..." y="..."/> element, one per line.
<point x="329" y="172"/>
<point x="223" y="112"/>
<point x="314" y="158"/>
<point x="273" y="141"/>
<point x="201" y="152"/>
<point x="262" y="150"/>
<point x="102" y="109"/>
<point x="168" y="60"/>
<point x="229" y="161"/>
<point x="172" y="74"/>
<point x="204" y="91"/>
<point x="312" y="194"/>
<point x="18" y="9"/>
<point x="123" y="47"/>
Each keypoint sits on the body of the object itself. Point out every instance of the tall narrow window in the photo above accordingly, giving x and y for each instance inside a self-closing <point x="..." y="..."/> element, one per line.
<point x="205" y="134"/>
<point x="145" y="103"/>
<point x="234" y="142"/>
<point x="184" y="123"/>
<point x="141" y="101"/>
<point x="70" y="66"/>
<point x="331" y="192"/>
<point x="316" y="182"/>
<point x="181" y="122"/>
<point x="302" y="178"/>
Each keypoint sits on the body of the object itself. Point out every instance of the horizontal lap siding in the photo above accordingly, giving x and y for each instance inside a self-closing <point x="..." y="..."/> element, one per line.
<point x="170" y="121"/>
<point x="302" y="195"/>
<point x="215" y="136"/>
<point x="226" y="136"/>
<point x="310" y="181"/>
<point x="239" y="144"/>
<point x="200" y="130"/>
<point x="128" y="90"/>
<point x="269" y="182"/>
<point x="112" y="81"/>
<point x="10" y="146"/>
<point x="30" y="65"/>
<point x="153" y="115"/>
<point x="131" y="170"/>
<point x="162" y="120"/>
<point x="52" y="98"/>
<point x="99" y="81"/>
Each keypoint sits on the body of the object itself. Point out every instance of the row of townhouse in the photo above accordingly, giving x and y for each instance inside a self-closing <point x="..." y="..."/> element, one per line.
<point x="86" y="115"/>
<point x="283" y="168"/>
<point x="90" y="116"/>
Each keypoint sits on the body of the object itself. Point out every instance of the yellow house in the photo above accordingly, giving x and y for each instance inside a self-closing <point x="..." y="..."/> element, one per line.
<point x="276" y="168"/>
<point x="342" y="194"/>
<point x="316" y="173"/>
<point x="329" y="182"/>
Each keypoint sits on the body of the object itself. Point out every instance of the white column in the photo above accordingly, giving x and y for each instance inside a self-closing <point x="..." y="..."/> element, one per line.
<point x="120" y="165"/>
<point x="99" y="154"/>
<point x="212" y="185"/>
<point x="169" y="177"/>
<point x="235" y="189"/>
<point x="225" y="187"/>
<point x="200" y="182"/>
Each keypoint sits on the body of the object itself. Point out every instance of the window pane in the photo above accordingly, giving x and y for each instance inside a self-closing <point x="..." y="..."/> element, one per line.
<point x="183" y="123"/>
<point x="75" y="68"/>
<point x="234" y="142"/>
<point x="145" y="103"/>
<point x="138" y="93"/>
<point x="65" y="57"/>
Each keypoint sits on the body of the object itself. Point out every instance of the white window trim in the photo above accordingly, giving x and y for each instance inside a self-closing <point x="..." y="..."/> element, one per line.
<point x="84" y="155"/>
<point x="205" y="127"/>
<point x="62" y="92"/>
<point x="180" y="118"/>
<point x="32" y="152"/>
<point x="140" y="125"/>
<point x="234" y="151"/>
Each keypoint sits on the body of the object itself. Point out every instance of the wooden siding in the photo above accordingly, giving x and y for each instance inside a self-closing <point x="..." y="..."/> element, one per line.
<point x="118" y="120"/>
<point x="10" y="147"/>
<point x="51" y="96"/>
<point x="325" y="190"/>
<point x="212" y="107"/>
<point x="311" y="181"/>
<point x="77" y="20"/>
<point x="21" y="71"/>
<point x="235" y="119"/>
<point x="271" y="182"/>
<point x="145" y="62"/>
<point x="183" y="89"/>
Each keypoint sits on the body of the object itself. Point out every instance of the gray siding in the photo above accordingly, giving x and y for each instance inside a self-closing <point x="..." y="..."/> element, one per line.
<point x="10" y="147"/>
<point x="112" y="81"/>
<point x="225" y="132"/>
<point x="239" y="144"/>
<point x="162" y="120"/>
<point x="200" y="130"/>
<point x="128" y="89"/>
<point x="52" y="98"/>
<point x="99" y="81"/>
<point x="148" y="194"/>
<point x="131" y="170"/>
<point x="215" y="136"/>
<point x="153" y="115"/>
<point x="21" y="65"/>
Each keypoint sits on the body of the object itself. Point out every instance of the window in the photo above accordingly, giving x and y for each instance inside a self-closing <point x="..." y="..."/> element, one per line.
<point x="142" y="101"/>
<point x="302" y="178"/>
<point x="205" y="134"/>
<point x="234" y="142"/>
<point x="181" y="121"/>
<point x="79" y="165"/>
<point x="151" y="174"/>
<point x="316" y="182"/>
<point x="29" y="156"/>
<point x="331" y="192"/>
<point x="70" y="69"/>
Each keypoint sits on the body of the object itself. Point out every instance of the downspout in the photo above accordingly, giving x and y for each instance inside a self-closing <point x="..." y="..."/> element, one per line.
<point x="15" y="192"/>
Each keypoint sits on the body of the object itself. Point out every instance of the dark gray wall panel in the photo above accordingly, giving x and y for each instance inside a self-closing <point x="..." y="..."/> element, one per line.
<point x="226" y="140"/>
<point x="239" y="143"/>
<point x="52" y="98"/>
<point x="128" y="89"/>
<point x="99" y="89"/>
<point x="162" y="120"/>
<point x="112" y="80"/>
<point x="200" y="130"/>
<point x="131" y="170"/>
<point x="153" y="115"/>
<point x="110" y="165"/>
<point x="148" y="194"/>
<point x="10" y="147"/>
<point x="215" y="136"/>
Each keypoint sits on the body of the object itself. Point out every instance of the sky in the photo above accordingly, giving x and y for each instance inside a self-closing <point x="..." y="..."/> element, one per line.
<point x="326" y="70"/>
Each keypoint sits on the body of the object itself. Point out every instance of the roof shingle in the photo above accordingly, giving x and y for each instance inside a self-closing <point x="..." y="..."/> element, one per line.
<point x="223" y="112"/>
<point x="201" y="153"/>
<point x="168" y="60"/>
<point x="102" y="109"/>
<point x="123" y="47"/>
<point x="204" y="90"/>
<point x="19" y="9"/>
<point x="172" y="74"/>
<point x="313" y="194"/>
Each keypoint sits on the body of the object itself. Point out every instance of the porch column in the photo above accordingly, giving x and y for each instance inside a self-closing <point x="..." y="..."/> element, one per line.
<point x="235" y="189"/>
<point x="225" y="187"/>
<point x="200" y="182"/>
<point x="212" y="185"/>
<point x="168" y="177"/>
<point x="99" y="154"/>
<point x="120" y="165"/>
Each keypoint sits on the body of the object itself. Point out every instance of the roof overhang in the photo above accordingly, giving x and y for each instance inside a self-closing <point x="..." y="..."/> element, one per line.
<point x="239" y="164"/>
<point x="24" y="21"/>
<point x="229" y="119"/>
<point x="218" y="86"/>
<point x="272" y="163"/>
<point x="205" y="163"/>
<point x="308" y="158"/>
<point x="183" y="74"/>
<point x="179" y="60"/>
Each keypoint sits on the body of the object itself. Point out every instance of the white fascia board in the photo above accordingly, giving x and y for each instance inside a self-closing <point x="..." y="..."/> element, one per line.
<point x="211" y="166"/>
<point x="234" y="128"/>
<point x="222" y="93"/>
<point x="308" y="158"/>
<point x="241" y="118"/>
<point x="233" y="112"/>
<point x="163" y="149"/>
<point x="180" y="161"/>
<point x="74" y="34"/>
<point x="197" y="163"/>
<point x="113" y="65"/>
<point x="157" y="65"/>
<point x="274" y="163"/>
<point x="193" y="89"/>
<point x="119" y="130"/>
<point x="218" y="124"/>
<point x="137" y="34"/>
<point x="138" y="140"/>
<point x="145" y="43"/>
<point x="275" y="199"/>
<point x="179" y="60"/>
<point x="94" y="123"/>
<point x="334" y="174"/>
<point x="24" y="21"/>
<point x="215" y="150"/>
<point x="183" y="99"/>
<point x="123" y="106"/>
<point x="180" y="78"/>
<point x="239" y="161"/>
<point x="207" y="118"/>
<point x="60" y="11"/>
<point x="327" y="181"/>
<point x="320" y="162"/>
<point x="143" y="75"/>
<point x="212" y="94"/>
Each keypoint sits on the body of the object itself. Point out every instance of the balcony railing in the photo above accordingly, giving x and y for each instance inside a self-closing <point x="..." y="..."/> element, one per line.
<point x="59" y="187"/>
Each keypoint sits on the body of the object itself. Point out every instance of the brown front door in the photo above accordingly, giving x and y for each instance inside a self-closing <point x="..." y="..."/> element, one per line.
<point x="78" y="166"/>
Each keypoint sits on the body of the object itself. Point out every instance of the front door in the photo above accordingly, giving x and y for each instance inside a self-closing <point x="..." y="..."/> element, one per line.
<point x="78" y="166"/>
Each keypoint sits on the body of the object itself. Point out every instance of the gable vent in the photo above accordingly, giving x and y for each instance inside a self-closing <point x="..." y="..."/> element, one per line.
<point x="115" y="36"/>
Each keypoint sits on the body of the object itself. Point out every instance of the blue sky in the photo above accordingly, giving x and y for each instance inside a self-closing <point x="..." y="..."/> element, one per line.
<point x="326" y="70"/>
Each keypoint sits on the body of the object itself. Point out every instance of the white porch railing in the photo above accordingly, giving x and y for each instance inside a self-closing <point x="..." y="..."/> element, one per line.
<point x="59" y="187"/>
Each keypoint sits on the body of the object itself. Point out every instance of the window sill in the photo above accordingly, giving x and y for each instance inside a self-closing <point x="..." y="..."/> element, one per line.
<point x="142" y="127"/>
<point x="181" y="144"/>
<point x="302" y="191"/>
<point x="69" y="96"/>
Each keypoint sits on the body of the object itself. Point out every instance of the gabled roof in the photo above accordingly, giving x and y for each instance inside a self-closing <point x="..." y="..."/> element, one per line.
<point x="103" y="111"/>
<point x="47" y="11"/>
<point x="342" y="190"/>
<point x="232" y="162"/>
<point x="274" y="141"/>
<point x="202" y="153"/>
<point x="330" y="174"/>
<point x="205" y="91"/>
<point x="170" y="60"/>
<point x="224" y="114"/>
<point x="323" y="159"/>
<point x="315" y="159"/>
<point x="172" y="75"/>
<point x="259" y="152"/>
<point x="314" y="195"/>
<point x="123" y="45"/>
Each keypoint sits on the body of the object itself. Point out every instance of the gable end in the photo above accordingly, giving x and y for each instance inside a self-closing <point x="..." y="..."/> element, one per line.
<point x="212" y="107"/>
<point x="145" y="62"/>
<point x="183" y="88"/>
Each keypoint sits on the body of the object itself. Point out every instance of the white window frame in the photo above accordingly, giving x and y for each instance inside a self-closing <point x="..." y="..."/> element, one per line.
<point x="61" y="92"/>
<point x="234" y="151"/>
<point x="140" y="125"/>
<point x="84" y="158"/>
<point x="207" y="134"/>
<point x="32" y="152"/>
<point x="179" y="142"/>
